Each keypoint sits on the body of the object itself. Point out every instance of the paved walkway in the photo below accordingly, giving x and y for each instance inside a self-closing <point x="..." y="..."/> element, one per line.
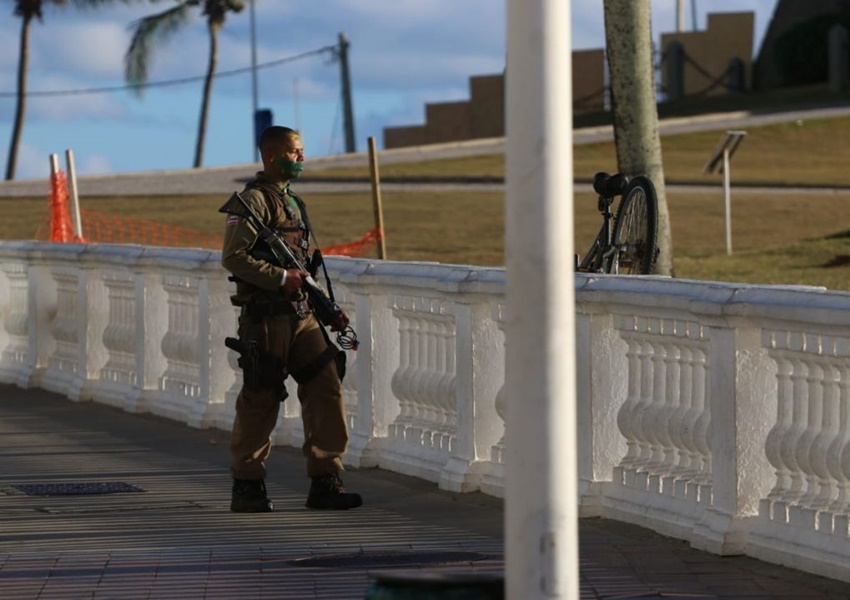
<point x="166" y="531"/>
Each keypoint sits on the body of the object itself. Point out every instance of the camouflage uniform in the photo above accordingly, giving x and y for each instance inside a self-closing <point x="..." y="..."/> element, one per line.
<point x="289" y="335"/>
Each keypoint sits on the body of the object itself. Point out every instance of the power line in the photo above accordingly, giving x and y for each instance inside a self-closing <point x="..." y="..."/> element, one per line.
<point x="170" y="82"/>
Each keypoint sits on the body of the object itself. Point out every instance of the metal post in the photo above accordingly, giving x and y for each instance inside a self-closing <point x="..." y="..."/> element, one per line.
<point x="680" y="15"/>
<point x="721" y="159"/>
<point x="348" y="111"/>
<point x="541" y="496"/>
<point x="296" y="98"/>
<point x="75" y="198"/>
<point x="256" y="151"/>
<point x="728" y="202"/>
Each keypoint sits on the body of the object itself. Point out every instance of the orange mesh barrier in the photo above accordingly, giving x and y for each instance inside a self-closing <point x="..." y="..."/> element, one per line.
<point x="354" y="248"/>
<point x="118" y="229"/>
<point x="98" y="227"/>
<point x="61" y="228"/>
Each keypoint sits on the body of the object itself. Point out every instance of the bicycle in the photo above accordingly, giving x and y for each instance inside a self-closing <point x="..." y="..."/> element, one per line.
<point x="631" y="247"/>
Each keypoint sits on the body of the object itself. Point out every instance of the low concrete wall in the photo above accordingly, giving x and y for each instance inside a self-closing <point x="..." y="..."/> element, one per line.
<point x="716" y="413"/>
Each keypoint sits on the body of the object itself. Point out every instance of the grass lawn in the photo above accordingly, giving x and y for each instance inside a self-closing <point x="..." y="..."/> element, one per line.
<point x="813" y="152"/>
<point x="785" y="238"/>
<point x="782" y="238"/>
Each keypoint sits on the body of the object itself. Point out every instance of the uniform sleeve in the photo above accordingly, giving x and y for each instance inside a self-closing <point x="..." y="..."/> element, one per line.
<point x="239" y="237"/>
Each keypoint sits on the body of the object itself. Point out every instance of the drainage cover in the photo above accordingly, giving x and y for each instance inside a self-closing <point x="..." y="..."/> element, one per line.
<point x="76" y="489"/>
<point x="373" y="560"/>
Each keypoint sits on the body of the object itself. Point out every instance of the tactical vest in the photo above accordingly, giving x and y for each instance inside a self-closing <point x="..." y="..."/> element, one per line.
<point x="288" y="219"/>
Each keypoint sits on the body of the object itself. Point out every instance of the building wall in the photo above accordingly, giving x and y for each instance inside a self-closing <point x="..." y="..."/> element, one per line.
<point x="487" y="106"/>
<point x="787" y="14"/>
<point x="588" y="81"/>
<point x="728" y="36"/>
<point x="483" y="115"/>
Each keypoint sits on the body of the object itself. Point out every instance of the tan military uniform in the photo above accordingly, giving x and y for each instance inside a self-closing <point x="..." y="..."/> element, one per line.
<point x="294" y="340"/>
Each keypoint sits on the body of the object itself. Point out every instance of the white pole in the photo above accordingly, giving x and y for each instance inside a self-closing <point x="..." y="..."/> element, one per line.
<point x="541" y="508"/>
<point x="728" y="201"/>
<point x="54" y="164"/>
<point x="75" y="199"/>
<point x="680" y="15"/>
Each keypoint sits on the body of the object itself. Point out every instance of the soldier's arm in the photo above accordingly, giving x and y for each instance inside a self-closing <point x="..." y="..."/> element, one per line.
<point x="239" y="238"/>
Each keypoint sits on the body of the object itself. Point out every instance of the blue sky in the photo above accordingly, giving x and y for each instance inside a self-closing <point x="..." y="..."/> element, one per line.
<point x="403" y="54"/>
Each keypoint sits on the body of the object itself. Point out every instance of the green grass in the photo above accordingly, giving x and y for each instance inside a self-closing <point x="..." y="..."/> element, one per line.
<point x="813" y="152"/>
<point x="787" y="238"/>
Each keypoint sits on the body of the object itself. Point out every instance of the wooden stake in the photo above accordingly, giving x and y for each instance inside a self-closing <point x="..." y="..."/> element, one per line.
<point x="376" y="198"/>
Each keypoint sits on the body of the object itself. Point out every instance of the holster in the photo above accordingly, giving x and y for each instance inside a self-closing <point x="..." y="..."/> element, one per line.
<point x="260" y="370"/>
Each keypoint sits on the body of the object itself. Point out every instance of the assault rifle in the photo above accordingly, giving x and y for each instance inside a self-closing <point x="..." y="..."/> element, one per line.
<point x="327" y="311"/>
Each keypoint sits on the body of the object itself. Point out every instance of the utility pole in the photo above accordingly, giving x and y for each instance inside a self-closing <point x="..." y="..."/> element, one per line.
<point x="347" y="110"/>
<point x="256" y="152"/>
<point x="296" y="99"/>
<point x="680" y="16"/>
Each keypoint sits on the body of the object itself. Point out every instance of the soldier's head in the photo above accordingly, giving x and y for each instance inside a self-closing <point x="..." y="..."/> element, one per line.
<point x="282" y="152"/>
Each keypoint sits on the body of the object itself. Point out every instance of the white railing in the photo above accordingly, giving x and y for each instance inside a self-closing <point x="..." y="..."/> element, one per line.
<point x="716" y="413"/>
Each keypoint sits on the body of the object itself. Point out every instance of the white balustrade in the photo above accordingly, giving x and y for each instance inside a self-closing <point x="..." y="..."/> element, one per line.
<point x="14" y="297"/>
<point x="717" y="413"/>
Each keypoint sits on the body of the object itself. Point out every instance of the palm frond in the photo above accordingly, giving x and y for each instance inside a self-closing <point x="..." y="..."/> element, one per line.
<point x="146" y="31"/>
<point x="28" y="9"/>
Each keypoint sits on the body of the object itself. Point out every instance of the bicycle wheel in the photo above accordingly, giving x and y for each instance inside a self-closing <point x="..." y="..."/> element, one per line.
<point x="636" y="230"/>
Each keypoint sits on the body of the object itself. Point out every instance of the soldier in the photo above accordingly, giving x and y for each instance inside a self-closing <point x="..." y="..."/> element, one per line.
<point x="276" y="321"/>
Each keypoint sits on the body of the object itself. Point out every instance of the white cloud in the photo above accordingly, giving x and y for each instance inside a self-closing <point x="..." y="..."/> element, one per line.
<point x="100" y="106"/>
<point x="94" y="164"/>
<point x="32" y="162"/>
<point x="84" y="49"/>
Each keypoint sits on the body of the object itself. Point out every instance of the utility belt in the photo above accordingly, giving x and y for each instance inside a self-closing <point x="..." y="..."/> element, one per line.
<point x="257" y="311"/>
<point x="264" y="370"/>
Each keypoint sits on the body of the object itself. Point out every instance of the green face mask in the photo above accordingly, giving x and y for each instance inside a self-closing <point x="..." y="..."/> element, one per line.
<point x="290" y="169"/>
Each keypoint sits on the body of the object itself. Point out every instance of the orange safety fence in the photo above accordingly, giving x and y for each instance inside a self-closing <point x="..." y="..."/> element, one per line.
<point x="109" y="228"/>
<point x="99" y="227"/>
<point x="61" y="227"/>
<point x="355" y="248"/>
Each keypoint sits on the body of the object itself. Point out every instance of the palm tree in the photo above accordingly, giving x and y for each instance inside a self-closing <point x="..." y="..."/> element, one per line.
<point x="28" y="10"/>
<point x="159" y="27"/>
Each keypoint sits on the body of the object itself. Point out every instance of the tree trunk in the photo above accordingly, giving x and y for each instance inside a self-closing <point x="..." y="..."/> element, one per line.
<point x="205" y="101"/>
<point x="20" y="109"/>
<point x="628" y="39"/>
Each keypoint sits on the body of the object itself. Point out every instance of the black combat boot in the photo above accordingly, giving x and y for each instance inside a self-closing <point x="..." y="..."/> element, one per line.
<point x="249" y="496"/>
<point x="328" y="492"/>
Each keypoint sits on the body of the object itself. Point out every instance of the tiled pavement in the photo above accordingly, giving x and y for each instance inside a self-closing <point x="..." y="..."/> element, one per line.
<point x="177" y="539"/>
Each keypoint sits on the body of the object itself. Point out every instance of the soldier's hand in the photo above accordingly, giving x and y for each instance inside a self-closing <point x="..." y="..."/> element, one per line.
<point x="294" y="281"/>
<point x="342" y="323"/>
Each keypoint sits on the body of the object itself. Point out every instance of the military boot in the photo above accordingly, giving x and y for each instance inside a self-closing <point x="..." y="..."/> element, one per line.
<point x="249" y="496"/>
<point x="328" y="492"/>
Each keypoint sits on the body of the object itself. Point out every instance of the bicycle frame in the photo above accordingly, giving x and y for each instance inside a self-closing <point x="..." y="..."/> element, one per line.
<point x="601" y="251"/>
<point x="626" y="242"/>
